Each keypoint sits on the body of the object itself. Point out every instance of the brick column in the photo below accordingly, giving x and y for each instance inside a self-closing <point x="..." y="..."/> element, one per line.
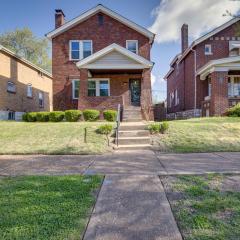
<point x="146" y="95"/>
<point x="83" y="90"/>
<point x="219" y="93"/>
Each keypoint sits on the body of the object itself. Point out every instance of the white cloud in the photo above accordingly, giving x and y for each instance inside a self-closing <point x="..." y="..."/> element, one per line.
<point x="155" y="80"/>
<point x="200" y="15"/>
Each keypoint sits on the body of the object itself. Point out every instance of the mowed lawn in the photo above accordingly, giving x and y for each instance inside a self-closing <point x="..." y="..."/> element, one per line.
<point x="205" y="207"/>
<point x="51" y="138"/>
<point x="200" y="135"/>
<point x="46" y="207"/>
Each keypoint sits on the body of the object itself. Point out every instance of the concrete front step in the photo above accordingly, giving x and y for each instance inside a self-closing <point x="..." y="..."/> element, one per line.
<point x="132" y="127"/>
<point x="133" y="140"/>
<point x="132" y="119"/>
<point x="135" y="147"/>
<point x="134" y="133"/>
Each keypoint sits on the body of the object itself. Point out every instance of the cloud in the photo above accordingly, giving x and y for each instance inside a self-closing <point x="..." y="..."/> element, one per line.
<point x="155" y="80"/>
<point x="200" y="15"/>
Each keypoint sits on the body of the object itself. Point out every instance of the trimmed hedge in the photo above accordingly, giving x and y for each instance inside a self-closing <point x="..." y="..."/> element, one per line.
<point x="56" y="116"/>
<point x="42" y="116"/>
<point x="234" y="111"/>
<point x="32" y="117"/>
<point x="91" y="115"/>
<point x="158" y="127"/>
<point x="25" y="117"/>
<point x="72" y="115"/>
<point x="110" y="115"/>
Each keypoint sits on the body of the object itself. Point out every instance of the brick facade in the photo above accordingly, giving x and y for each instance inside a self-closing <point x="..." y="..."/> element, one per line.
<point x="64" y="70"/>
<point x="183" y="76"/>
<point x="21" y="74"/>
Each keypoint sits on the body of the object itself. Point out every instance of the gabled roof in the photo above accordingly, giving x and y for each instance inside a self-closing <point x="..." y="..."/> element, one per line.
<point x="141" y="62"/>
<point x="107" y="11"/>
<point x="208" y="35"/>
<point x="3" y="49"/>
<point x="223" y="64"/>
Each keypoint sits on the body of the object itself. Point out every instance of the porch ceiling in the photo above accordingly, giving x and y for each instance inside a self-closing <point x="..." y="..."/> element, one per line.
<point x="219" y="65"/>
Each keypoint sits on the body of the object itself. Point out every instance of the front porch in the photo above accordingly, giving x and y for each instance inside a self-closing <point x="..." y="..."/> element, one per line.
<point x="223" y="85"/>
<point x="116" y="76"/>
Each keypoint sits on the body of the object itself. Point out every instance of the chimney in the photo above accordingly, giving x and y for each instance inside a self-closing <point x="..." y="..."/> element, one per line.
<point x="184" y="36"/>
<point x="59" y="18"/>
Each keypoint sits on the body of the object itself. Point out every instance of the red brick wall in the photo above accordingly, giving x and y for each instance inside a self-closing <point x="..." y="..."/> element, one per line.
<point x="112" y="31"/>
<point x="220" y="49"/>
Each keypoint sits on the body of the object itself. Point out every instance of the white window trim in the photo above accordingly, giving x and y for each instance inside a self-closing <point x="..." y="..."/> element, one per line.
<point x="80" y="49"/>
<point x="13" y="86"/>
<point x="73" y="88"/>
<point x="210" y="48"/>
<point x="97" y="80"/>
<point x="232" y="86"/>
<point x="41" y="105"/>
<point x="29" y="85"/>
<point x="136" y="41"/>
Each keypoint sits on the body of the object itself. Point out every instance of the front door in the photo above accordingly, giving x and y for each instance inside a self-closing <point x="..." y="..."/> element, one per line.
<point x="135" y="91"/>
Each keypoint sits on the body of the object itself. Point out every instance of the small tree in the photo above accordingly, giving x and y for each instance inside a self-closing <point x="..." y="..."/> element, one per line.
<point x="106" y="130"/>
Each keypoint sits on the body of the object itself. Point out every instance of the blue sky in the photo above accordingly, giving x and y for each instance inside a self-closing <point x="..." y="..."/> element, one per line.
<point x="39" y="17"/>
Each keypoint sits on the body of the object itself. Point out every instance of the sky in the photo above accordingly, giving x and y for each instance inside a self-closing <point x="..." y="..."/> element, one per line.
<point x="163" y="17"/>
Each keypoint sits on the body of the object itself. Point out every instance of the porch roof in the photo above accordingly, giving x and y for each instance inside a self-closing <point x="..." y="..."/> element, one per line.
<point x="219" y="65"/>
<point x="114" y="57"/>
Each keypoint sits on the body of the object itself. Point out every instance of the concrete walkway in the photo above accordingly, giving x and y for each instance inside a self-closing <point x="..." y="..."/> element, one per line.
<point x="134" y="208"/>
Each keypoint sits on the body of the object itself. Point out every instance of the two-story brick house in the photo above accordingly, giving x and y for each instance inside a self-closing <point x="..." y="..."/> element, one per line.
<point x="99" y="60"/>
<point x="204" y="79"/>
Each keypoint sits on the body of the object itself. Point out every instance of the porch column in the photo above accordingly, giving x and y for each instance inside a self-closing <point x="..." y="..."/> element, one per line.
<point x="146" y="95"/>
<point x="219" y="93"/>
<point x="83" y="89"/>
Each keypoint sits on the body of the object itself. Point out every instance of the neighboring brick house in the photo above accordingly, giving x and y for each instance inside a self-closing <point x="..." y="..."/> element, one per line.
<point x="204" y="79"/>
<point x="24" y="87"/>
<point x="99" y="60"/>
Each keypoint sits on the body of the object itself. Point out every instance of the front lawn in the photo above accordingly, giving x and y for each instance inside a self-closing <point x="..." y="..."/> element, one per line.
<point x="46" y="207"/>
<point x="200" y="135"/>
<point x="51" y="138"/>
<point x="205" y="207"/>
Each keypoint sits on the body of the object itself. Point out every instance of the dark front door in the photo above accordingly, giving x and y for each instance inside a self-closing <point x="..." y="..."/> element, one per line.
<point x="135" y="91"/>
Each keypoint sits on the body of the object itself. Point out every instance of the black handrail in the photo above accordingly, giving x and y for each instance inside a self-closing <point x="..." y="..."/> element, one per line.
<point x="118" y="123"/>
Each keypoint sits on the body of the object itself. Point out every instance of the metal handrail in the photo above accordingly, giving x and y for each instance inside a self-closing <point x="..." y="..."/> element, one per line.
<point x="118" y="123"/>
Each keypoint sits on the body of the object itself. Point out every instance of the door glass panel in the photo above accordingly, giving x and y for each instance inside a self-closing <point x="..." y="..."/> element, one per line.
<point x="135" y="91"/>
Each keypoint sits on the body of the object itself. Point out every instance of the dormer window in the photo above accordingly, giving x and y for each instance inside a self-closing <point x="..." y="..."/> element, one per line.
<point x="208" y="49"/>
<point x="132" y="45"/>
<point x="79" y="49"/>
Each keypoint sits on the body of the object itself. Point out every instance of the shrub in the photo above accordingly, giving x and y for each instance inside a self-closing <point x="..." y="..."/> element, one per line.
<point x="31" y="117"/>
<point x="91" y="115"/>
<point x="154" y="128"/>
<point x="234" y="111"/>
<point x="72" y="115"/>
<point x="42" y="116"/>
<point x="164" y="127"/>
<point x="110" y="115"/>
<point x="106" y="130"/>
<point x="56" y="116"/>
<point x="25" y="117"/>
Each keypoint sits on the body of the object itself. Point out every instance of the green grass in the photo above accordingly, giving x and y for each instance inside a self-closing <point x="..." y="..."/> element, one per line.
<point x="51" y="138"/>
<point x="204" y="211"/>
<point x="51" y="207"/>
<point x="200" y="135"/>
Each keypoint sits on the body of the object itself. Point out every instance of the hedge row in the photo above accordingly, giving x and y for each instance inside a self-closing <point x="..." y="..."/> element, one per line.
<point x="69" y="116"/>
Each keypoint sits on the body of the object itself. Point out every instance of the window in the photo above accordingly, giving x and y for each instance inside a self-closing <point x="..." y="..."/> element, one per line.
<point x="171" y="97"/>
<point x="100" y="19"/>
<point x="75" y="88"/>
<point x="29" y="90"/>
<point x="234" y="86"/>
<point x="132" y="45"/>
<point x="97" y="87"/>
<point x="209" y="87"/>
<point x="176" y="100"/>
<point x="40" y="99"/>
<point x="208" y="49"/>
<point x="11" y="87"/>
<point x="80" y="49"/>
<point x="11" y="115"/>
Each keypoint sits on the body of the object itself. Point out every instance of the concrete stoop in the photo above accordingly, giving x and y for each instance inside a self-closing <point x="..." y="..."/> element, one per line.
<point x="133" y="134"/>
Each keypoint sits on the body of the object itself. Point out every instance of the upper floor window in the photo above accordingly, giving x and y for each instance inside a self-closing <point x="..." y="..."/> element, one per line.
<point x="234" y="48"/>
<point x="11" y="87"/>
<point x="80" y="49"/>
<point x="98" y="87"/>
<point x="29" y="90"/>
<point x="132" y="45"/>
<point x="41" y="99"/>
<point x="208" y="49"/>
<point x="100" y="19"/>
<point x="75" y="88"/>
